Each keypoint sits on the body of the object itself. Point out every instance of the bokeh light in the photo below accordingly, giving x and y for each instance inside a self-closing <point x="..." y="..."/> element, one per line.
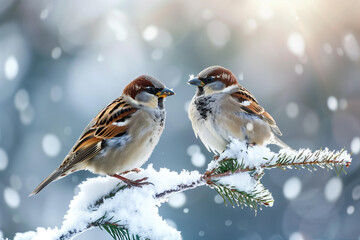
<point x="61" y="62"/>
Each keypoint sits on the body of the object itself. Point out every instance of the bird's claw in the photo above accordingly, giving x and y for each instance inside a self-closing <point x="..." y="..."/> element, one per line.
<point x="138" y="183"/>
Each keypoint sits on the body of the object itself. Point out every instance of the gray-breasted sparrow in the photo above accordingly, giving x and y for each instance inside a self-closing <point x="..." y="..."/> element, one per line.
<point x="223" y="109"/>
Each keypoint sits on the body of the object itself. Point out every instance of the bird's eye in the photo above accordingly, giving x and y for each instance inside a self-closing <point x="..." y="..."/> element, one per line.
<point x="209" y="79"/>
<point x="151" y="90"/>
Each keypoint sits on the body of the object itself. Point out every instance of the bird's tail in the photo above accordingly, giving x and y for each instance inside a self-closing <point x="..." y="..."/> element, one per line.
<point x="53" y="177"/>
<point x="277" y="141"/>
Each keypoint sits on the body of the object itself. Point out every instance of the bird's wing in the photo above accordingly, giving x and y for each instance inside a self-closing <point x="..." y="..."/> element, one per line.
<point x="249" y="104"/>
<point x="112" y="121"/>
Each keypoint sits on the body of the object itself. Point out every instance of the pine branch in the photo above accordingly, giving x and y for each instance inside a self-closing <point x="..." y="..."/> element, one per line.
<point x="235" y="175"/>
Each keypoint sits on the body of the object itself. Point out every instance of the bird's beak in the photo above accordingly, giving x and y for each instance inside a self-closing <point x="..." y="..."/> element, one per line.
<point x="196" y="82"/>
<point x="165" y="93"/>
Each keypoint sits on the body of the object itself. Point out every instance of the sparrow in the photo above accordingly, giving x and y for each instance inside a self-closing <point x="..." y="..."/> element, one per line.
<point x="222" y="109"/>
<point x="121" y="137"/>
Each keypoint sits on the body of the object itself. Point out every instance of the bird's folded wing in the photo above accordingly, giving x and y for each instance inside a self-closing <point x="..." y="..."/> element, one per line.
<point x="112" y="121"/>
<point x="249" y="104"/>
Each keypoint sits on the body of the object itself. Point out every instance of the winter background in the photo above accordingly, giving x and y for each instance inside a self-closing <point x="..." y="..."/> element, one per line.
<point x="62" y="61"/>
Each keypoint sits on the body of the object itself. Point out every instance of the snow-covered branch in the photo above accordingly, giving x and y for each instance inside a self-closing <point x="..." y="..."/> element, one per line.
<point x="132" y="213"/>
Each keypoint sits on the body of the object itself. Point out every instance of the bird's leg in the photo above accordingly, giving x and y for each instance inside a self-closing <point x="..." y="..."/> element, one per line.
<point x="137" y="170"/>
<point x="136" y="183"/>
<point x="250" y="145"/>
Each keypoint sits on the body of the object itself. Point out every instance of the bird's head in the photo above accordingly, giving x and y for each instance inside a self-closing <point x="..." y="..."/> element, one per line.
<point x="147" y="91"/>
<point x="213" y="79"/>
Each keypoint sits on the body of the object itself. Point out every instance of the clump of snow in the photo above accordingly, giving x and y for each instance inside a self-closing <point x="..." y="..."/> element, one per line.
<point x="135" y="208"/>
<point x="191" y="76"/>
<point x="252" y="157"/>
<point x="241" y="182"/>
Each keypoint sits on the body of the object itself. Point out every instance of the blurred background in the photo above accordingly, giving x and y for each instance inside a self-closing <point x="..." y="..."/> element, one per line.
<point x="62" y="61"/>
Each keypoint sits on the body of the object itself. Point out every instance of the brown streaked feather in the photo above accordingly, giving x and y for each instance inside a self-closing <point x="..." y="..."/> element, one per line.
<point x="89" y="144"/>
<point x="269" y="118"/>
<point x="110" y="131"/>
<point x="244" y="95"/>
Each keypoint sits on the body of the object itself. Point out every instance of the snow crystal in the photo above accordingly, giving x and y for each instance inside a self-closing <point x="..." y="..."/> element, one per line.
<point x="67" y="130"/>
<point x="249" y="126"/>
<point x="192" y="149"/>
<point x="56" y="53"/>
<point x="56" y="93"/>
<point x="332" y="103"/>
<point x="51" y="145"/>
<point x="218" y="33"/>
<point x="198" y="159"/>
<point x="228" y="223"/>
<point x="15" y="182"/>
<point x="296" y="44"/>
<point x="356" y="193"/>
<point x="12" y="198"/>
<point x="136" y="208"/>
<point x="177" y="200"/>
<point x="333" y="189"/>
<point x="27" y="115"/>
<point x="351" y="47"/>
<point x="21" y="99"/>
<point x="265" y="12"/>
<point x="218" y="199"/>
<point x="201" y="233"/>
<point x="296" y="236"/>
<point x="339" y="51"/>
<point x="311" y="123"/>
<point x="11" y="67"/>
<point x="327" y="48"/>
<point x="44" y="14"/>
<point x="100" y="58"/>
<point x="299" y="69"/>
<point x="251" y="24"/>
<point x="3" y="159"/>
<point x="343" y="103"/>
<point x="115" y="21"/>
<point x="350" y="209"/>
<point x="355" y="145"/>
<point x="150" y="33"/>
<point x="292" y="110"/>
<point x="191" y="76"/>
<point x="157" y="54"/>
<point x="207" y="14"/>
<point x="292" y="188"/>
<point x="186" y="210"/>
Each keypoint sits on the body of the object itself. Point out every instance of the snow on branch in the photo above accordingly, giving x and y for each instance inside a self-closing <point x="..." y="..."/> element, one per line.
<point x="132" y="213"/>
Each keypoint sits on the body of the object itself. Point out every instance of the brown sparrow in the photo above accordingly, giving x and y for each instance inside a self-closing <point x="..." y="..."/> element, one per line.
<point x="122" y="136"/>
<point x="223" y="109"/>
